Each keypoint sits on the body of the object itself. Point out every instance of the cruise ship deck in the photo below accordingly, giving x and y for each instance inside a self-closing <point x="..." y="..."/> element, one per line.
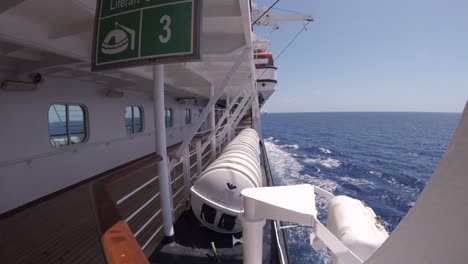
<point x="64" y="227"/>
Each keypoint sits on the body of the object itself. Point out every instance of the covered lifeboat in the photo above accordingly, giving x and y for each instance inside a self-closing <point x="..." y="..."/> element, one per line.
<point x="265" y="71"/>
<point x="216" y="196"/>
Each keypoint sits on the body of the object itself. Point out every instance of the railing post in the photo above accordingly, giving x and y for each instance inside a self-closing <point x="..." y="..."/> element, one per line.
<point x="186" y="167"/>
<point x="161" y="149"/>
<point x="218" y="91"/>
<point x="199" y="157"/>
<point x="214" y="142"/>
<point x="244" y="111"/>
<point x="228" y="102"/>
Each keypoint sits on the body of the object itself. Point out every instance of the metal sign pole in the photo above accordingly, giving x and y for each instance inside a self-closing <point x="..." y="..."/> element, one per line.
<point x="161" y="149"/>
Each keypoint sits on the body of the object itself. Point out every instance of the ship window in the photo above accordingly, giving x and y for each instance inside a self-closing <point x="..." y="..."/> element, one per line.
<point x="169" y="117"/>
<point x="270" y="62"/>
<point x="227" y="222"/>
<point x="133" y="119"/>
<point x="188" y="116"/>
<point x="208" y="214"/>
<point x="67" y="124"/>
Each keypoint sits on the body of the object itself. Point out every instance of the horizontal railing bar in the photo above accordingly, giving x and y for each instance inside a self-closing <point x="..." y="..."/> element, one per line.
<point x="180" y="204"/>
<point x="209" y="152"/>
<point x="204" y="131"/>
<point x="147" y="223"/>
<point x="176" y="193"/>
<point x="177" y="178"/>
<point x="193" y="165"/>
<point x="177" y="163"/>
<point x="141" y="207"/>
<point x="151" y="238"/>
<point x="121" y="200"/>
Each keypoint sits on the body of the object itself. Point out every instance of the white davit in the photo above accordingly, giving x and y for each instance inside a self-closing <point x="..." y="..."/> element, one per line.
<point x="356" y="225"/>
<point x="216" y="196"/>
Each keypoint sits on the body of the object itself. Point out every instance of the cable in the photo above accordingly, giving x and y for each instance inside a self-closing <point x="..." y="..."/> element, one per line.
<point x="287" y="46"/>
<point x="281" y="9"/>
<point x="265" y="12"/>
<point x="295" y="37"/>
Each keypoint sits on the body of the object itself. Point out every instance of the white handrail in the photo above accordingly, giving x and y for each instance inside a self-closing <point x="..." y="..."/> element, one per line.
<point x="121" y="200"/>
<point x="141" y="207"/>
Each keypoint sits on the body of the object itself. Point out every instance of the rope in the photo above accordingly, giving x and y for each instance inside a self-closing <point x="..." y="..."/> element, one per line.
<point x="295" y="37"/>
<point x="265" y="12"/>
<point x="287" y="46"/>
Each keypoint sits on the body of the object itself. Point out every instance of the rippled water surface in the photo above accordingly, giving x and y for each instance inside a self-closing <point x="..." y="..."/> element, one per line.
<point x="384" y="159"/>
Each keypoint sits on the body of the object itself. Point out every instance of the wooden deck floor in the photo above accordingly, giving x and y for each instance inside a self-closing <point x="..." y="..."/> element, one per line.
<point x="59" y="230"/>
<point x="64" y="228"/>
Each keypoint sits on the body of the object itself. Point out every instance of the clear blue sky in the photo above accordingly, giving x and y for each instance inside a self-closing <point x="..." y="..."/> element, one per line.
<point x="373" y="55"/>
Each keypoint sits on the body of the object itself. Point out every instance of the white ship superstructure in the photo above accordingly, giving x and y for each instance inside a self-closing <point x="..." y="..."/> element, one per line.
<point x="98" y="166"/>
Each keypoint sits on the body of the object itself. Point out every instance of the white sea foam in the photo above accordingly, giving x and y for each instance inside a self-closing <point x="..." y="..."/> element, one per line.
<point x="356" y="181"/>
<point x="376" y="173"/>
<point x="287" y="169"/>
<point x="324" y="150"/>
<point x="294" y="146"/>
<point x="285" y="166"/>
<point x="327" y="162"/>
<point x="326" y="184"/>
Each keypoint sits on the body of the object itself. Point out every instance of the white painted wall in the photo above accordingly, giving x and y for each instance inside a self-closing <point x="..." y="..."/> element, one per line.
<point x="31" y="168"/>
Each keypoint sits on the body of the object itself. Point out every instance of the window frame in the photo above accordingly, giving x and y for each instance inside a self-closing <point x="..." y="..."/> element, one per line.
<point x="171" y="120"/>
<point x="133" y="119"/>
<point x="67" y="124"/>
<point x="188" y="116"/>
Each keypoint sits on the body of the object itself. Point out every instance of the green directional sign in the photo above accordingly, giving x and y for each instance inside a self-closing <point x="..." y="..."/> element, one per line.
<point x="131" y="33"/>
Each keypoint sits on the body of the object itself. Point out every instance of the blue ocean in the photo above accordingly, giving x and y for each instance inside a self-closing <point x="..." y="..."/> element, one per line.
<point x="384" y="159"/>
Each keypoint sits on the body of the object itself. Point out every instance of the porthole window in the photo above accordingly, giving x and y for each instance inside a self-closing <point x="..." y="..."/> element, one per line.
<point x="169" y="117"/>
<point x="188" y="116"/>
<point x="133" y="119"/>
<point x="67" y="124"/>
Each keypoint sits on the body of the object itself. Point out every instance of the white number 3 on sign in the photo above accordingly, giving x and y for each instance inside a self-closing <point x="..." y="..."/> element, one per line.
<point x="166" y="21"/>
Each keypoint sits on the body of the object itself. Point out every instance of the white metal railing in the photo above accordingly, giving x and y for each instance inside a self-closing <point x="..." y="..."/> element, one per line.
<point x="141" y="207"/>
<point x="193" y="156"/>
<point x="147" y="223"/>
<point x="206" y="154"/>
<point x="217" y="92"/>
<point x="188" y="164"/>
<point x="121" y="200"/>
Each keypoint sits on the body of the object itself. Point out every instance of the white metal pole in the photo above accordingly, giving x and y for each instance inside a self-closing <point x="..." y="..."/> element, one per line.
<point x="252" y="232"/>
<point x="161" y="149"/>
<point x="228" y="102"/>
<point x="213" y="126"/>
<point x="187" y="176"/>
<point x="199" y="156"/>
<point x="225" y="116"/>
